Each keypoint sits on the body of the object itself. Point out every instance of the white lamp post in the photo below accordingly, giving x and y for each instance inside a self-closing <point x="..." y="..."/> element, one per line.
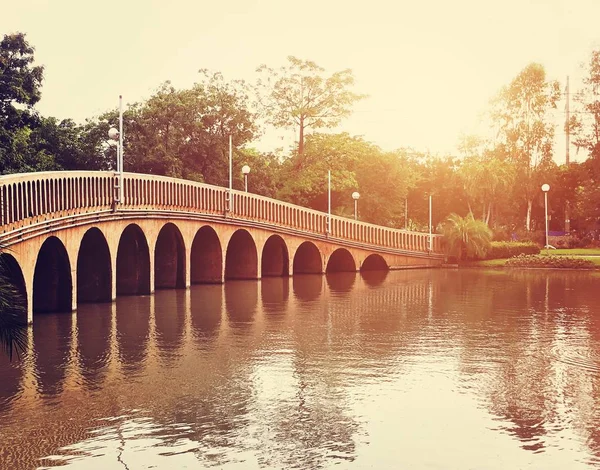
<point x="116" y="139"/>
<point x="430" y="227"/>
<point x="546" y="188"/>
<point x="245" y="171"/>
<point x="355" y="196"/>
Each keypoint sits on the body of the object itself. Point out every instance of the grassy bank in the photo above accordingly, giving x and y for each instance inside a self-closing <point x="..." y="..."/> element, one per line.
<point x="592" y="254"/>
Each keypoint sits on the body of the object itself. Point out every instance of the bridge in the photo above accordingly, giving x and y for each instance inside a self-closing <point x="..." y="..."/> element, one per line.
<point x="67" y="241"/>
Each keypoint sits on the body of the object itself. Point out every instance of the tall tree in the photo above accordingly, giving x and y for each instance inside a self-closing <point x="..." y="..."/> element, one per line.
<point x="486" y="180"/>
<point x="184" y="133"/>
<point x="586" y="124"/>
<point x="20" y="90"/>
<point x="302" y="96"/>
<point x="521" y="113"/>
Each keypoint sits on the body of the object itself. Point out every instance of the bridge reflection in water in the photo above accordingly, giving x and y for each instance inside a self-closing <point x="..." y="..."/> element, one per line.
<point x="402" y="369"/>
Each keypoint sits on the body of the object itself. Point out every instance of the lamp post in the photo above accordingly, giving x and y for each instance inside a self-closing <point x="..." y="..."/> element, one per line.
<point x="116" y="139"/>
<point x="355" y="196"/>
<point x="245" y="171"/>
<point x="430" y="227"/>
<point x="546" y="188"/>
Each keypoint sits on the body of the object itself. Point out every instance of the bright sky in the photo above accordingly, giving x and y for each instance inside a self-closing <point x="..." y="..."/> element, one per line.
<point x="429" y="67"/>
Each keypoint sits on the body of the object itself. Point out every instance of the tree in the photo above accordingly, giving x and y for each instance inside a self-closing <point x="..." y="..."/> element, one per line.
<point x="304" y="176"/>
<point x="182" y="133"/>
<point x="486" y="180"/>
<point x="466" y="237"/>
<point x="20" y="81"/>
<point x="586" y="124"/>
<point x="13" y="331"/>
<point x="525" y="130"/>
<point x="20" y="90"/>
<point x="301" y="95"/>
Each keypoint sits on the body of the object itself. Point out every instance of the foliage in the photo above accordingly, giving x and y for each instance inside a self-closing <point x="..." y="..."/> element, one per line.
<point x="541" y="261"/>
<point x="20" y="83"/>
<point x="381" y="178"/>
<point x="301" y="95"/>
<point x="13" y="332"/>
<point x="521" y="113"/>
<point x="507" y="249"/>
<point x="466" y="237"/>
<point x="487" y="180"/>
<point x="184" y="133"/>
<point x="585" y="125"/>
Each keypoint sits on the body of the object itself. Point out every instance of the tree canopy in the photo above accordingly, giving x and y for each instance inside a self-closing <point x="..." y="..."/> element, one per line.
<point x="301" y="95"/>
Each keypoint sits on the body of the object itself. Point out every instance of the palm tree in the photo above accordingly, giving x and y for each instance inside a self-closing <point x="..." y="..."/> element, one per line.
<point x="466" y="237"/>
<point x="13" y="330"/>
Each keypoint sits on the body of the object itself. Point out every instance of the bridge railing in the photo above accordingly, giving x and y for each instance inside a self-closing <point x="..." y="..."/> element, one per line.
<point x="27" y="199"/>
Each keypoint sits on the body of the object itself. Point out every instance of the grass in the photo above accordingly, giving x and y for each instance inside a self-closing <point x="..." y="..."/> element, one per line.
<point x="573" y="252"/>
<point x="494" y="263"/>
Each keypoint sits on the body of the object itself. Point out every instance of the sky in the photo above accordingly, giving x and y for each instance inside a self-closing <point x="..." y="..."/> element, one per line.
<point x="429" y="68"/>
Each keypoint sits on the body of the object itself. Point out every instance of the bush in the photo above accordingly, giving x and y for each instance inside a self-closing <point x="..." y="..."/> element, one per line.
<point x="578" y="242"/>
<point x="509" y="249"/>
<point x="539" y="261"/>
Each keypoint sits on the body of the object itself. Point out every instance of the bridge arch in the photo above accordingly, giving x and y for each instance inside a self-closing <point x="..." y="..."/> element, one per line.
<point x="133" y="262"/>
<point x="206" y="264"/>
<point x="52" y="282"/>
<point x="169" y="258"/>
<point x="275" y="260"/>
<point x="241" y="259"/>
<point x="374" y="262"/>
<point x="341" y="261"/>
<point x="94" y="271"/>
<point x="12" y="274"/>
<point x="307" y="259"/>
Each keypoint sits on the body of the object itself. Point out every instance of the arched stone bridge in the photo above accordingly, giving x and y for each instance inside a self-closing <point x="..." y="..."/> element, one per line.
<point x="66" y="241"/>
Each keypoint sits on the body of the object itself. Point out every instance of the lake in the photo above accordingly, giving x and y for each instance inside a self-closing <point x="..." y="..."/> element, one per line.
<point x="419" y="369"/>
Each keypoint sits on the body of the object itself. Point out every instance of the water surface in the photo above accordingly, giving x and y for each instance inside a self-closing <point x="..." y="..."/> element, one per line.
<point x="417" y="369"/>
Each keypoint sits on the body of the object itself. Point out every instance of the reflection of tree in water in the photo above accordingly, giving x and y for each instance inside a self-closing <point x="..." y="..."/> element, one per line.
<point x="312" y="429"/>
<point x="52" y="344"/>
<point x="206" y="307"/>
<point x="94" y="324"/>
<point x="11" y="385"/>
<point x="514" y="331"/>
<point x="169" y="317"/>
<point x="133" y="331"/>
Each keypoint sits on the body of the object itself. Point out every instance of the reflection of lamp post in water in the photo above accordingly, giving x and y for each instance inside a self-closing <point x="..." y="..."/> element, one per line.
<point x="245" y="171"/>
<point x="546" y="188"/>
<point x="355" y="196"/>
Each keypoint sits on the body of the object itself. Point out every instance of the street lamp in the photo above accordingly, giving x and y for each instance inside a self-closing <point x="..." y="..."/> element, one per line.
<point x="116" y="139"/>
<point x="245" y="171"/>
<point x="355" y="196"/>
<point x="546" y="188"/>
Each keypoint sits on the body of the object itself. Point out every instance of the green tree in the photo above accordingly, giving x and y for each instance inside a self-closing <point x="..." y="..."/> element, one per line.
<point x="466" y="237"/>
<point x="13" y="331"/>
<point x="487" y="180"/>
<point x="20" y="90"/>
<point x="521" y="113"/>
<point x="181" y="133"/>
<point x="586" y="124"/>
<point x="303" y="177"/>
<point x="438" y="177"/>
<point x="301" y="95"/>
